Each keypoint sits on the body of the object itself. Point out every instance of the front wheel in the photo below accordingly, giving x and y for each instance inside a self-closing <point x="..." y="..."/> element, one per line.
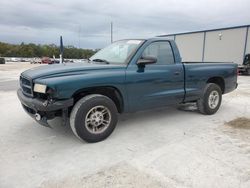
<point x="210" y="101"/>
<point x="93" y="118"/>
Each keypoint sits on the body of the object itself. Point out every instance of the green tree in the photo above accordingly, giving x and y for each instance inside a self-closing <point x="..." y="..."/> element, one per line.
<point x="33" y="50"/>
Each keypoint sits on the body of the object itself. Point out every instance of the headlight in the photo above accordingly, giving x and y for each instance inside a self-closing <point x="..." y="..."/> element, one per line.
<point x="40" y="88"/>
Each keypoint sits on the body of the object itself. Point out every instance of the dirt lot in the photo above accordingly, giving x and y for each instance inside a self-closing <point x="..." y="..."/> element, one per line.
<point x="161" y="148"/>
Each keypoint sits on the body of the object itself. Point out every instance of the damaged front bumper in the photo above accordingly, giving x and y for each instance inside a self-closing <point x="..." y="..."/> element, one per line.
<point x="39" y="109"/>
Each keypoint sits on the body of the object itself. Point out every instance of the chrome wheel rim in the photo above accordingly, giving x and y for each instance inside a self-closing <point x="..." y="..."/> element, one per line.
<point x="98" y="119"/>
<point x="213" y="99"/>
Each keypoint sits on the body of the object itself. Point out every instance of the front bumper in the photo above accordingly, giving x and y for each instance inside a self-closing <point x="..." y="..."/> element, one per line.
<point x="43" y="105"/>
<point x="34" y="106"/>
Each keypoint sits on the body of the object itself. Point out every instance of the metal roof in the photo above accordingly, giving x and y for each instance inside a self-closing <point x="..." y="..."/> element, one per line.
<point x="208" y="30"/>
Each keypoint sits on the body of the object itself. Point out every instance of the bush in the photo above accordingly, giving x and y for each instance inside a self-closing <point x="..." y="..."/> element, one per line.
<point x="2" y="60"/>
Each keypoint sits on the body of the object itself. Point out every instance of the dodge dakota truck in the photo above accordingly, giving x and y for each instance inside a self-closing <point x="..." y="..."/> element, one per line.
<point x="126" y="76"/>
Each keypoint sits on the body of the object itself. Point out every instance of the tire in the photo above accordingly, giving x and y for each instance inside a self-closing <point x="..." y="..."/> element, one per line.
<point x="205" y="106"/>
<point x="85" y="123"/>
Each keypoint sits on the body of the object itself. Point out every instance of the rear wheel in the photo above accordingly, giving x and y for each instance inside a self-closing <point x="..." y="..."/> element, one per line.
<point x="210" y="101"/>
<point x="93" y="118"/>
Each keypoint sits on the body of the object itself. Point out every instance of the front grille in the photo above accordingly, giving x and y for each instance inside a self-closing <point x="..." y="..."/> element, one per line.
<point x="26" y="85"/>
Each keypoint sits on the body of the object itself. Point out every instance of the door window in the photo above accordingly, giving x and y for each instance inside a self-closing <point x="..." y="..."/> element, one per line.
<point x="161" y="50"/>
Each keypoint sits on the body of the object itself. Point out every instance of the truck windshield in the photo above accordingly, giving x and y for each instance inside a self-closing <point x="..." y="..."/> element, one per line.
<point x="117" y="52"/>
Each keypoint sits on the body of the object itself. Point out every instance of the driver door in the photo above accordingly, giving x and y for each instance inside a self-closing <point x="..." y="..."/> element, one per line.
<point x="157" y="84"/>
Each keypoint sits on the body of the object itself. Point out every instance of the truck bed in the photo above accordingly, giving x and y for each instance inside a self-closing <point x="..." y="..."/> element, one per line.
<point x="197" y="73"/>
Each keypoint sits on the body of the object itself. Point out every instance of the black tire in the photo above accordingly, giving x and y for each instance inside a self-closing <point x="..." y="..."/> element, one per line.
<point x="203" y="102"/>
<point x="82" y="109"/>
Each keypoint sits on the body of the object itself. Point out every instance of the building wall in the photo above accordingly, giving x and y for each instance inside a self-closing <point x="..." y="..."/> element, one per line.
<point x="190" y="46"/>
<point x="248" y="42"/>
<point x="229" y="47"/>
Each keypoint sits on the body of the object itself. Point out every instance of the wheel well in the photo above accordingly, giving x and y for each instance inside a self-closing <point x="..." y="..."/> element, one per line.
<point x="219" y="81"/>
<point x="111" y="92"/>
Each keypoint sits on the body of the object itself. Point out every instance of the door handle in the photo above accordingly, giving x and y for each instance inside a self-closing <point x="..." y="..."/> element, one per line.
<point x="177" y="73"/>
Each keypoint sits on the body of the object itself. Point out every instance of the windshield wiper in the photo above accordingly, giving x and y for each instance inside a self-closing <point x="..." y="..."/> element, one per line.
<point x="101" y="61"/>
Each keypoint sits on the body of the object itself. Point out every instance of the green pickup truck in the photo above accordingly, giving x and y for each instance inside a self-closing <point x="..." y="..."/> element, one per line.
<point x="126" y="76"/>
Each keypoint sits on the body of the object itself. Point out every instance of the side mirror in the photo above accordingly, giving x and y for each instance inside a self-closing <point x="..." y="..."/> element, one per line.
<point x="146" y="60"/>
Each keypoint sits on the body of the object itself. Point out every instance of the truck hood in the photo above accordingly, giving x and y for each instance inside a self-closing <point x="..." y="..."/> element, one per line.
<point x="67" y="69"/>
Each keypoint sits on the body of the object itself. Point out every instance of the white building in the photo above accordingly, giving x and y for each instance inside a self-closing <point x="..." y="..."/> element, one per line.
<point x="223" y="44"/>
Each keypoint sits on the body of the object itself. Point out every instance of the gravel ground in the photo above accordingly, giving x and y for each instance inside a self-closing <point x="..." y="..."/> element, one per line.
<point x="162" y="148"/>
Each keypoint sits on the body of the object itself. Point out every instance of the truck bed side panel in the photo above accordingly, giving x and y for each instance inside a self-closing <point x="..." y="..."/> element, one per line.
<point x="198" y="74"/>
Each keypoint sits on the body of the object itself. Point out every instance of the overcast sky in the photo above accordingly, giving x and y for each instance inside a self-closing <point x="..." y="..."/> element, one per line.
<point x="87" y="22"/>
